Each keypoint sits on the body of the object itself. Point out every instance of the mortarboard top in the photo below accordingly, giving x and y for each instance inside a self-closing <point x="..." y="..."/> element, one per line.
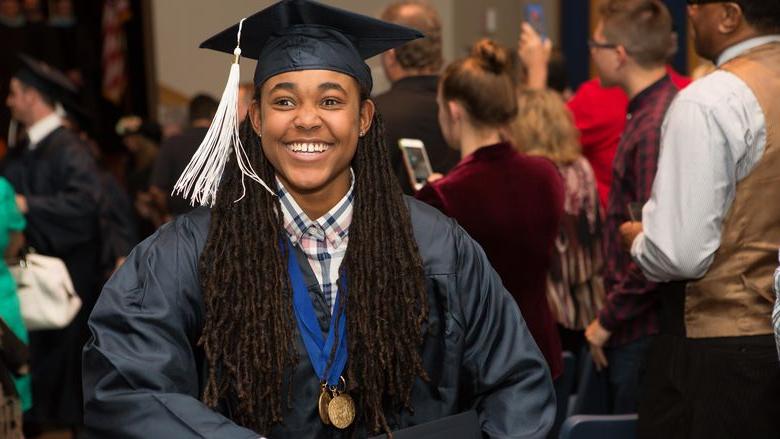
<point x="304" y="35"/>
<point x="44" y="78"/>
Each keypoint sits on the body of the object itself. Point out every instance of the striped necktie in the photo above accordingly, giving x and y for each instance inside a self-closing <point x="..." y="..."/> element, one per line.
<point x="776" y="311"/>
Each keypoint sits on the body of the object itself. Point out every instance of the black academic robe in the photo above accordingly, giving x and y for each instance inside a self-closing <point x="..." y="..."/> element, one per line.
<point x="62" y="187"/>
<point x="143" y="373"/>
<point x="118" y="226"/>
<point x="175" y="154"/>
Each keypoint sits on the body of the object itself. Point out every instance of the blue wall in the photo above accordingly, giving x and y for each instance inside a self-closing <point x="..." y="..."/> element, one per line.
<point x="680" y="19"/>
<point x="575" y="31"/>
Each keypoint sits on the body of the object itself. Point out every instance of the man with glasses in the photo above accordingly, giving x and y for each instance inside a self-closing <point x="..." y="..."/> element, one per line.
<point x="710" y="232"/>
<point x="629" y="49"/>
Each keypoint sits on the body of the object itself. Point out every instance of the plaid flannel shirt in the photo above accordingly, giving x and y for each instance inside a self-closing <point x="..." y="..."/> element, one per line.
<point x="323" y="241"/>
<point x="630" y="309"/>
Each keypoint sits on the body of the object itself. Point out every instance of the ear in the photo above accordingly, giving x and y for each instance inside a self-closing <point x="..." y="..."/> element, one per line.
<point x="389" y="59"/>
<point x="367" y="110"/>
<point x="731" y="17"/>
<point x="455" y="110"/>
<point x="255" y="116"/>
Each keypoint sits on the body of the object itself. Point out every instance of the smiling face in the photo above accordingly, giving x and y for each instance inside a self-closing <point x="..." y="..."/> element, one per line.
<point x="309" y="122"/>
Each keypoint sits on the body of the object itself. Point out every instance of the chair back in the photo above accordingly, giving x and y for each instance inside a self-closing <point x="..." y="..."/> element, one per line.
<point x="599" y="427"/>
<point x="592" y="389"/>
<point x="564" y="386"/>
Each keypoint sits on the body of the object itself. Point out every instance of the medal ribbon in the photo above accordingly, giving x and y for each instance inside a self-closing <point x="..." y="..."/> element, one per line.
<point x="319" y="349"/>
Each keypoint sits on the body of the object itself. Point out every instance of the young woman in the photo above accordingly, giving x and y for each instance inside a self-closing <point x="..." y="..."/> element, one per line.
<point x="333" y="307"/>
<point x="575" y="288"/>
<point x="509" y="202"/>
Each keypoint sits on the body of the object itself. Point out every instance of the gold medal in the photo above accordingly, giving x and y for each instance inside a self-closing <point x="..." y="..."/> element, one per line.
<point x="341" y="410"/>
<point x="323" y="404"/>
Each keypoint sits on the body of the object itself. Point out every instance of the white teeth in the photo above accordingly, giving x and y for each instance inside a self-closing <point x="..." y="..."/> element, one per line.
<point x="308" y="147"/>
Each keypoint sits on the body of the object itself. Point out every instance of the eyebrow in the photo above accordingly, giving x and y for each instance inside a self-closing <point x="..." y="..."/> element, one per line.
<point x="331" y="86"/>
<point x="283" y="86"/>
<point x="325" y="86"/>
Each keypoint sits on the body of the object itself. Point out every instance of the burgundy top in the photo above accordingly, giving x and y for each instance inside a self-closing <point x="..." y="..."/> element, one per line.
<point x="511" y="204"/>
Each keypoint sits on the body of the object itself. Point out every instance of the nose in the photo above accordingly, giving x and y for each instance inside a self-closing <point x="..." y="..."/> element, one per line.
<point x="307" y="118"/>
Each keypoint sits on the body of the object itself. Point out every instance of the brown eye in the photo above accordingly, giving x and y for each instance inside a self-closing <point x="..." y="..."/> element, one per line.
<point x="330" y="102"/>
<point x="284" y="102"/>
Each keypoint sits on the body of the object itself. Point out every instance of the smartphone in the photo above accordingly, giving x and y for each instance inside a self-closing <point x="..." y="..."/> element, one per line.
<point x="534" y="15"/>
<point x="418" y="167"/>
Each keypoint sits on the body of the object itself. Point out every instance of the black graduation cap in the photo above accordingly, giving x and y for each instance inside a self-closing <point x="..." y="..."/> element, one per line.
<point x="84" y="118"/>
<point x="46" y="79"/>
<point x="304" y="35"/>
<point x="289" y="36"/>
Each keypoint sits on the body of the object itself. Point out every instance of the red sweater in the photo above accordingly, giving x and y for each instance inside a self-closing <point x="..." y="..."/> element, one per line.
<point x="511" y="204"/>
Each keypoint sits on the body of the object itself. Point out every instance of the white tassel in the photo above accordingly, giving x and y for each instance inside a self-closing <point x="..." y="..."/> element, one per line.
<point x="200" y="180"/>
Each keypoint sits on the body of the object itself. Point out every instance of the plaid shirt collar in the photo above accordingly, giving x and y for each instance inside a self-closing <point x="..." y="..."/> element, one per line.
<point x="649" y="95"/>
<point x="334" y="225"/>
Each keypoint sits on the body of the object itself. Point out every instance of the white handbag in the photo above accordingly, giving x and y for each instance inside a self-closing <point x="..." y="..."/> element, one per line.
<point x="46" y="294"/>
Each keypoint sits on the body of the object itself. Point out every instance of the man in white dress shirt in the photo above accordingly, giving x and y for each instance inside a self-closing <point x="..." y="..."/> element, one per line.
<point x="710" y="232"/>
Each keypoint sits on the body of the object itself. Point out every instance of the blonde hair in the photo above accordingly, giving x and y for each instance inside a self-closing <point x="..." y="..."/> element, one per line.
<point x="545" y="127"/>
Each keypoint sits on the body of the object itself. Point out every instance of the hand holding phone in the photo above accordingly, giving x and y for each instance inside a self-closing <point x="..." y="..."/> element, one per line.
<point x="418" y="167"/>
<point x="534" y="16"/>
<point x="533" y="47"/>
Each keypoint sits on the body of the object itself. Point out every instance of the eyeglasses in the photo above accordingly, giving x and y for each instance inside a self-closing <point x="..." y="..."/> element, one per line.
<point x="593" y="44"/>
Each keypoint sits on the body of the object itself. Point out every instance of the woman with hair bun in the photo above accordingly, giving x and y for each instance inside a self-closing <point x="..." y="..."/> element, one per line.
<point x="510" y="203"/>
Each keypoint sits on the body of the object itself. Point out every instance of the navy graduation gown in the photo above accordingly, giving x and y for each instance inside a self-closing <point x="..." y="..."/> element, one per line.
<point x="143" y="373"/>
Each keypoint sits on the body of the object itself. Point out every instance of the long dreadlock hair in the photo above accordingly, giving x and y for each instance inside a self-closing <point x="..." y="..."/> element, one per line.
<point x="249" y="331"/>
